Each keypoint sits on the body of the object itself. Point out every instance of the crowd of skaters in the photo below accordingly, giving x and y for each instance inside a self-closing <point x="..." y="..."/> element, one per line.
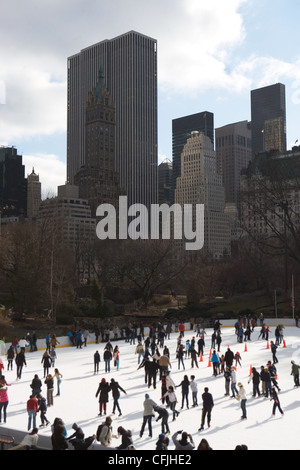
<point x="154" y="356"/>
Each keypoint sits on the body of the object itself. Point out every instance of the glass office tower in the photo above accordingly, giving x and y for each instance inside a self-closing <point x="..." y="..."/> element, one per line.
<point x="268" y="118"/>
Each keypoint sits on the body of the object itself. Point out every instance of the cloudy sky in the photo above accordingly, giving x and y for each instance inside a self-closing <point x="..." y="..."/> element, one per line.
<point x="210" y="55"/>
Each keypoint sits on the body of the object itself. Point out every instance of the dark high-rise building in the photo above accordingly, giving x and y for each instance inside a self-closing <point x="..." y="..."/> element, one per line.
<point x="165" y="171"/>
<point x="129" y="64"/>
<point x="13" y="184"/>
<point x="268" y="118"/>
<point x="181" y="132"/>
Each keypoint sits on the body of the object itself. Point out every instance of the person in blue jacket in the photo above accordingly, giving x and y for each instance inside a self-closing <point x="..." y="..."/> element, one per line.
<point x="215" y="362"/>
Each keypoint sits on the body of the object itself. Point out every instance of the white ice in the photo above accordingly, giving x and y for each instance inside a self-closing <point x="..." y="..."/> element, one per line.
<point x="77" y="402"/>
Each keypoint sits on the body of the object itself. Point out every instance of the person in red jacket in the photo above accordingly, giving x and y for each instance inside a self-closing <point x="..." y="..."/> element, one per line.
<point x="32" y="409"/>
<point x="181" y="329"/>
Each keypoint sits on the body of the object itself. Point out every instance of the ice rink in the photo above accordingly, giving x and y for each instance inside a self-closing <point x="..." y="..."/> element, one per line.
<point x="77" y="402"/>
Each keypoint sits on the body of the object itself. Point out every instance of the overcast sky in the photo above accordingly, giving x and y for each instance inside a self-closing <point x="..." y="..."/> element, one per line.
<point x="210" y="55"/>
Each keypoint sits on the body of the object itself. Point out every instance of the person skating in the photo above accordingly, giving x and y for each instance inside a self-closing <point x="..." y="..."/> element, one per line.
<point x="103" y="391"/>
<point x="172" y="398"/>
<point x="227" y="377"/>
<point x="242" y="398"/>
<point x="126" y="436"/>
<point x="46" y="361"/>
<point x="49" y="382"/>
<point x="104" y="432"/>
<point x="162" y="442"/>
<point x="215" y="362"/>
<point x="229" y="357"/>
<point x="163" y="414"/>
<point x="273" y="375"/>
<point x="255" y="377"/>
<point x="295" y="373"/>
<point x="97" y="360"/>
<point x="185" y="388"/>
<point x="115" y="387"/>
<point x="180" y="355"/>
<point x="276" y="404"/>
<point x="274" y="350"/>
<point x="194" y="358"/>
<point x="194" y="389"/>
<point x="208" y="404"/>
<point x="42" y="409"/>
<point x="148" y="414"/>
<point x="107" y="357"/>
<point x="20" y="362"/>
<point x="4" y="401"/>
<point x="234" y="390"/>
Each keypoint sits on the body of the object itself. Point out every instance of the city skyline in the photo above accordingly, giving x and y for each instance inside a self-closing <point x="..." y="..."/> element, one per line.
<point x="219" y="54"/>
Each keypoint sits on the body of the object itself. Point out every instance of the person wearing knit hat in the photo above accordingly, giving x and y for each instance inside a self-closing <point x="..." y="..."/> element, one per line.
<point x="148" y="414"/>
<point x="163" y="442"/>
<point x="103" y="391"/>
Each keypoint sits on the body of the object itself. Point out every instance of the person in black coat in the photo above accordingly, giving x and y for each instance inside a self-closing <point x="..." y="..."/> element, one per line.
<point x="103" y="391"/>
<point x="255" y="381"/>
<point x="163" y="414"/>
<point x="229" y="356"/>
<point x="20" y="362"/>
<point x="36" y="385"/>
<point x="126" y="438"/>
<point x="115" y="387"/>
<point x="46" y="361"/>
<point x="208" y="404"/>
<point x="97" y="360"/>
<point x="185" y="388"/>
<point x="107" y="357"/>
<point x="151" y="367"/>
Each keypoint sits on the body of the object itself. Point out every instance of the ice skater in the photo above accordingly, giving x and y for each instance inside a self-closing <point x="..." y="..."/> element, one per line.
<point x="276" y="404"/>
<point x="208" y="404"/>
<point x="241" y="397"/>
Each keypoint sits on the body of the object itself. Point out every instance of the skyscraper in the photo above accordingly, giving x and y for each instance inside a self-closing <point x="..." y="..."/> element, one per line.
<point x="164" y="181"/>
<point x="181" y="132"/>
<point x="129" y="64"/>
<point x="34" y="194"/>
<point x="200" y="183"/>
<point x="234" y="152"/>
<point x="13" y="184"/>
<point x="268" y="118"/>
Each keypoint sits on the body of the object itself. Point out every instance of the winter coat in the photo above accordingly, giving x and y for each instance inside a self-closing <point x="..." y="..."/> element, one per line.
<point x="46" y="361"/>
<point x="3" y="394"/>
<point x="107" y="355"/>
<point x="185" y="384"/>
<point x="242" y="394"/>
<point x="115" y="387"/>
<point x="103" y="391"/>
<point x="208" y="401"/>
<point x="42" y="404"/>
<point x="20" y="359"/>
<point x="295" y="369"/>
<point x="149" y="404"/>
<point x="229" y="356"/>
<point x="126" y="440"/>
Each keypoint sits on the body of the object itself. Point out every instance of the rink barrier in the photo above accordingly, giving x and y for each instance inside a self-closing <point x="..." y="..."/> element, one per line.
<point x="64" y="341"/>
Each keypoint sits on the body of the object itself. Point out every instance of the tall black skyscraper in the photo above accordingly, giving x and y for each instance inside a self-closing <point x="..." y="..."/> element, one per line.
<point x="129" y="65"/>
<point x="13" y="184"/>
<point x="268" y="118"/>
<point x="181" y="132"/>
